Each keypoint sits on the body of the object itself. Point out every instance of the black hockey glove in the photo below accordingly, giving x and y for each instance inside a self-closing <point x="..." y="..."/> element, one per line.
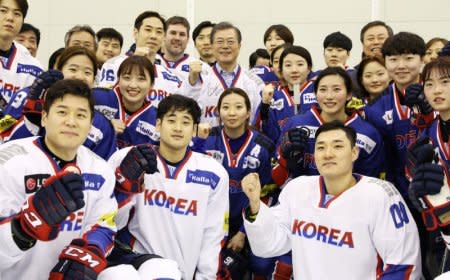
<point x="415" y="97"/>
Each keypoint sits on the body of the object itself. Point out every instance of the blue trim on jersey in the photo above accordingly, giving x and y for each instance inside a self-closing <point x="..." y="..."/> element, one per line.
<point x="101" y="237"/>
<point x="397" y="272"/>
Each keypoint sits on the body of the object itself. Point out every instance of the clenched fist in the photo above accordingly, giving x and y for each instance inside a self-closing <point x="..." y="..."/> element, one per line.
<point x="252" y="189"/>
<point x="267" y="94"/>
<point x="195" y="68"/>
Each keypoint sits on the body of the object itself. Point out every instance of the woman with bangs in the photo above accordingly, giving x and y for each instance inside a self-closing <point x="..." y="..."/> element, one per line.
<point x="435" y="139"/>
<point x="24" y="110"/>
<point x="333" y="89"/>
<point x="126" y="105"/>
<point x="241" y="150"/>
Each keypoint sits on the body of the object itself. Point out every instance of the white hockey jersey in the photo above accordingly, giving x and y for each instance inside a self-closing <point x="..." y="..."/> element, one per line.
<point x="181" y="66"/>
<point x="181" y="215"/>
<point x="213" y="85"/>
<point x="364" y="233"/>
<point x="24" y="166"/>
<point x="166" y="82"/>
<point x="17" y="71"/>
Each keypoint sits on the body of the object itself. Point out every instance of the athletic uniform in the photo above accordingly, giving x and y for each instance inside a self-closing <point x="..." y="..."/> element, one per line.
<point x="366" y="232"/>
<point x="101" y="138"/>
<point x="265" y="73"/>
<point x="166" y="82"/>
<point x="214" y="83"/>
<point x="25" y="164"/>
<point x="251" y="152"/>
<point x="18" y="69"/>
<point x="393" y="121"/>
<point x="139" y="126"/>
<point x="181" y="67"/>
<point x="370" y="161"/>
<point x="282" y="107"/>
<point x="180" y="215"/>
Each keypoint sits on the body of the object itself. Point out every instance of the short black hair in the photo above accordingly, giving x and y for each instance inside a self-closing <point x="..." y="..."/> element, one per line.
<point x="224" y="26"/>
<point x="54" y="57"/>
<point x="373" y="24"/>
<point x="148" y="14"/>
<point x="178" y="20"/>
<point x="23" y="6"/>
<point x="199" y="28"/>
<point x="334" y="71"/>
<point x="338" y="40"/>
<point x="69" y="87"/>
<point x="177" y="102"/>
<point x="297" y="50"/>
<point x="257" y="54"/>
<point x="404" y="43"/>
<point x="28" y="27"/>
<point x="282" y="30"/>
<point x="109" y="33"/>
<point x="338" y="125"/>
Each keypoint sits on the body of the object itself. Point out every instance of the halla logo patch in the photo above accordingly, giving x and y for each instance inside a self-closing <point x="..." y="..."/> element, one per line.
<point x="202" y="177"/>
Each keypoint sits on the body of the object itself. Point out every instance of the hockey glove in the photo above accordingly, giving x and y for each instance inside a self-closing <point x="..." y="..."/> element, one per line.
<point x="294" y="141"/>
<point x="293" y="145"/>
<point x="139" y="160"/>
<point x="35" y="102"/>
<point x="428" y="192"/>
<point x="419" y="152"/>
<point x="43" y="212"/>
<point x="415" y="97"/>
<point x="79" y="261"/>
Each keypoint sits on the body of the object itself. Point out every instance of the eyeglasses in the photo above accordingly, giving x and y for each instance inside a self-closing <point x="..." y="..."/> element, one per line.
<point x="220" y="42"/>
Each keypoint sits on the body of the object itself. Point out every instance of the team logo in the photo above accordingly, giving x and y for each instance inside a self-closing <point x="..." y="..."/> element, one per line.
<point x="34" y="182"/>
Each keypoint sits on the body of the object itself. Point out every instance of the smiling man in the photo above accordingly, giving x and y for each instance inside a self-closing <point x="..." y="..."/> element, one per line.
<point x="316" y="219"/>
<point x="149" y="31"/>
<point x="225" y="73"/>
<point x="56" y="195"/>
<point x="175" y="42"/>
<point x="173" y="201"/>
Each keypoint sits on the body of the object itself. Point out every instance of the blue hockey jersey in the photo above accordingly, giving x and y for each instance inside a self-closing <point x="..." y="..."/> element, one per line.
<point x="393" y="121"/>
<point x="254" y="155"/>
<point x="140" y="126"/>
<point x="371" y="157"/>
<point x="282" y="107"/>
<point x="265" y="73"/>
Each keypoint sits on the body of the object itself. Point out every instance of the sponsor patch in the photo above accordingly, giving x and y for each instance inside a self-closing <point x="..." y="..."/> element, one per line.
<point x="29" y="69"/>
<point x="93" y="181"/>
<point x="34" y="182"/>
<point x="202" y="177"/>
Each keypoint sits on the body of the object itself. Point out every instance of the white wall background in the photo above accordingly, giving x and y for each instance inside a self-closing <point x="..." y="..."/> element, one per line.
<point x="310" y="21"/>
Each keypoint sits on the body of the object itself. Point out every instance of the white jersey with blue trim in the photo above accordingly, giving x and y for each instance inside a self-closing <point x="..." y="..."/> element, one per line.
<point x="166" y="82"/>
<point x="17" y="71"/>
<point x="180" y="215"/>
<point x="181" y="66"/>
<point x="212" y="86"/>
<point x="366" y="232"/>
<point x="25" y="166"/>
